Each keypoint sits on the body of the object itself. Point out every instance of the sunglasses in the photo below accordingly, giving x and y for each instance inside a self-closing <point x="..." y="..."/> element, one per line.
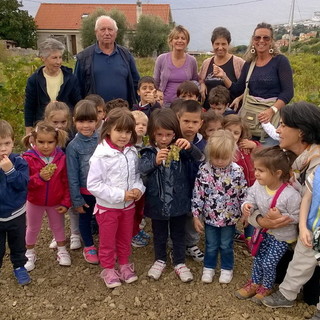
<point x="264" y="38"/>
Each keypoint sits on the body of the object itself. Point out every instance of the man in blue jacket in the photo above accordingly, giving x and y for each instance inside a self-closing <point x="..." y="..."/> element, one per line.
<point x="106" y="68"/>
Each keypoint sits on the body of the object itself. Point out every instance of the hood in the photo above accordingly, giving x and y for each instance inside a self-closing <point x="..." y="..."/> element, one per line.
<point x="105" y="150"/>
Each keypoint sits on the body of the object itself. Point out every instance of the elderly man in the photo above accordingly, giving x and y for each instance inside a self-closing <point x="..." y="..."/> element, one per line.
<point x="106" y="68"/>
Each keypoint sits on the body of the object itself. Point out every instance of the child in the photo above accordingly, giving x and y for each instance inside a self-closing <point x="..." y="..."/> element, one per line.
<point x="114" y="181"/>
<point x="272" y="170"/>
<point x="100" y="106"/>
<point x="176" y="105"/>
<point x="79" y="151"/>
<point x="116" y="103"/>
<point x="139" y="237"/>
<point x="48" y="189"/>
<point x="188" y="90"/>
<point x="147" y="93"/>
<point x="190" y="120"/>
<point x="58" y="115"/>
<point x="218" y="192"/>
<point x="219" y="98"/>
<point x="242" y="135"/>
<point x="14" y="177"/>
<point x="159" y="97"/>
<point x="211" y="123"/>
<point x="168" y="189"/>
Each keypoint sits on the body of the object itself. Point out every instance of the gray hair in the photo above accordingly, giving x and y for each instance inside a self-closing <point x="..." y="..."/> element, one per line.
<point x="105" y="18"/>
<point x="48" y="46"/>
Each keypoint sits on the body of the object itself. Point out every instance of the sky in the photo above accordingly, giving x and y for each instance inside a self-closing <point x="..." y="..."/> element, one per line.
<point x="200" y="17"/>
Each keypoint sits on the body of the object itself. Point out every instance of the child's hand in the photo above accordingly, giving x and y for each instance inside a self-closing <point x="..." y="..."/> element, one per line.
<point x="305" y="237"/>
<point x="247" y="144"/>
<point x="150" y="97"/>
<point x="61" y="209"/>
<point x="137" y="194"/>
<point x="244" y="221"/>
<point x="247" y="209"/>
<point x="198" y="225"/>
<point x="274" y="213"/>
<point x="6" y="164"/>
<point x="129" y="195"/>
<point x="81" y="208"/>
<point x="183" y="144"/>
<point x="162" y="156"/>
<point x="45" y="175"/>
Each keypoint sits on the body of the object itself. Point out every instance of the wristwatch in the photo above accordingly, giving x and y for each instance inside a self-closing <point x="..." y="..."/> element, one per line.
<point x="274" y="109"/>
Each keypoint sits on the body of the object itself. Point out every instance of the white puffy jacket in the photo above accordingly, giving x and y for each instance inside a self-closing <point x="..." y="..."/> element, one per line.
<point x="111" y="173"/>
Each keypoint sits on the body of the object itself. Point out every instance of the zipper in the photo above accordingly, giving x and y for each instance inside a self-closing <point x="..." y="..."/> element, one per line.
<point x="127" y="175"/>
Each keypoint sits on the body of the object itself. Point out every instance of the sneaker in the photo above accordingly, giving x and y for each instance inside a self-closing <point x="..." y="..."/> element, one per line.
<point x="127" y="273"/>
<point x="260" y="294"/>
<point x="22" y="276"/>
<point x="138" y="241"/>
<point x="247" y="291"/>
<point x="277" y="300"/>
<point x="53" y="244"/>
<point x="316" y="316"/>
<point x="144" y="234"/>
<point x="207" y="275"/>
<point x="239" y="237"/>
<point x="226" y="276"/>
<point x="111" y="278"/>
<point x="156" y="270"/>
<point x="75" y="242"/>
<point x="63" y="258"/>
<point x="195" y="253"/>
<point x="31" y="256"/>
<point x="90" y="255"/>
<point x="183" y="272"/>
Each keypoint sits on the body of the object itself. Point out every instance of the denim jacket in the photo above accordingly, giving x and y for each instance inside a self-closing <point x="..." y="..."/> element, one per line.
<point x="79" y="151"/>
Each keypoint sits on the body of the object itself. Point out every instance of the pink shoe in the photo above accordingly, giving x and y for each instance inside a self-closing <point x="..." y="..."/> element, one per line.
<point x="111" y="278"/>
<point x="90" y="255"/>
<point x="127" y="273"/>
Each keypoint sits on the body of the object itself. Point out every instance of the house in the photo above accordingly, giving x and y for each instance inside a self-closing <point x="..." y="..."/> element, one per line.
<point x="63" y="20"/>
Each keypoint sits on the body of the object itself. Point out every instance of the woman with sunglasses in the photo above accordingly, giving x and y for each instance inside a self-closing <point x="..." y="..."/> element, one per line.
<point x="271" y="78"/>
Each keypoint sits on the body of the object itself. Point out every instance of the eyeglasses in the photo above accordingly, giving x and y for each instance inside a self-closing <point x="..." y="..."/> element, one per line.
<point x="264" y="38"/>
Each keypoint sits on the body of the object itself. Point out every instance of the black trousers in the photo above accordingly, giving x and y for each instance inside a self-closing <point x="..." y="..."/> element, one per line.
<point x="160" y="229"/>
<point x="15" y="231"/>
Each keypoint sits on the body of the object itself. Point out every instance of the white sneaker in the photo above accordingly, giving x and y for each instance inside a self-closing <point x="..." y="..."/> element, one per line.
<point x="183" y="272"/>
<point x="75" y="242"/>
<point x="196" y="254"/>
<point x="207" y="275"/>
<point x="53" y="244"/>
<point x="156" y="270"/>
<point x="226" y="276"/>
<point x="63" y="258"/>
<point x="30" y="264"/>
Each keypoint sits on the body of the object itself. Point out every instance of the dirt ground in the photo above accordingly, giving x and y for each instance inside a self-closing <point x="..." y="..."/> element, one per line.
<point x="77" y="292"/>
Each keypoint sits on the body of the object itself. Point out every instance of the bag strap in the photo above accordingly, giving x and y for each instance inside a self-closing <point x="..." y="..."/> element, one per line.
<point x="246" y="90"/>
<point x="276" y="196"/>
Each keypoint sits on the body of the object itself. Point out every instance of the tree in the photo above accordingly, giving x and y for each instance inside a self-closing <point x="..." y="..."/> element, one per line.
<point x="88" y="36"/>
<point x="16" y="24"/>
<point x="151" y="35"/>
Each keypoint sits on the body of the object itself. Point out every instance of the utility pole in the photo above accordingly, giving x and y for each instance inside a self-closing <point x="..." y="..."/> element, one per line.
<point x="291" y="26"/>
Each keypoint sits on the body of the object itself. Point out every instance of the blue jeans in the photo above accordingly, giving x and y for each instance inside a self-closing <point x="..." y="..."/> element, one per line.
<point x="219" y="240"/>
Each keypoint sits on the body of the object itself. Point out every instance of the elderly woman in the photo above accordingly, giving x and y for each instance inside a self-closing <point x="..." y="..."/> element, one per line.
<point x="299" y="132"/>
<point x="50" y="82"/>
<point x="271" y="78"/>
<point x="176" y="66"/>
<point x="229" y="63"/>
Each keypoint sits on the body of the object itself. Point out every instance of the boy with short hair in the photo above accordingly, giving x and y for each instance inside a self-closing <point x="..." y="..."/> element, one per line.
<point x="14" y="178"/>
<point x="100" y="107"/>
<point x="190" y="119"/>
<point x="147" y="92"/>
<point x="116" y="103"/>
<point x="188" y="90"/>
<point x="219" y="99"/>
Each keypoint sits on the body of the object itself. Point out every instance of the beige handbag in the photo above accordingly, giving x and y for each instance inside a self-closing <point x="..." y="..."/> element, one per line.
<point x="251" y="107"/>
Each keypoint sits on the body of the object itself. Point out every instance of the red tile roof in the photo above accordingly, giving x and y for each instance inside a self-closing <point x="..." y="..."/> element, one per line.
<point x="62" y="16"/>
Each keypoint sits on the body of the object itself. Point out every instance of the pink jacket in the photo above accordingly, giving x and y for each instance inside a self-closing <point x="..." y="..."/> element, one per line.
<point x="237" y="65"/>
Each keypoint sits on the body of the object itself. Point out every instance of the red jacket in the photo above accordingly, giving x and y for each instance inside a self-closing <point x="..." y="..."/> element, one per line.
<point x="50" y="193"/>
<point x="245" y="162"/>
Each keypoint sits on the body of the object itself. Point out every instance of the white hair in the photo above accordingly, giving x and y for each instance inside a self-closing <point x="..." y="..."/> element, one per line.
<point x="99" y="19"/>
<point x="48" y="46"/>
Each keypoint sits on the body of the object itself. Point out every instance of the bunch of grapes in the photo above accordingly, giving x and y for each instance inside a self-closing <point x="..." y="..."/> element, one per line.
<point x="174" y="154"/>
<point x="50" y="168"/>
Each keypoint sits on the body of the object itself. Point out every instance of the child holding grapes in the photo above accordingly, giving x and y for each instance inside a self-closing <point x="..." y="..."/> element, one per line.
<point x="168" y="189"/>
